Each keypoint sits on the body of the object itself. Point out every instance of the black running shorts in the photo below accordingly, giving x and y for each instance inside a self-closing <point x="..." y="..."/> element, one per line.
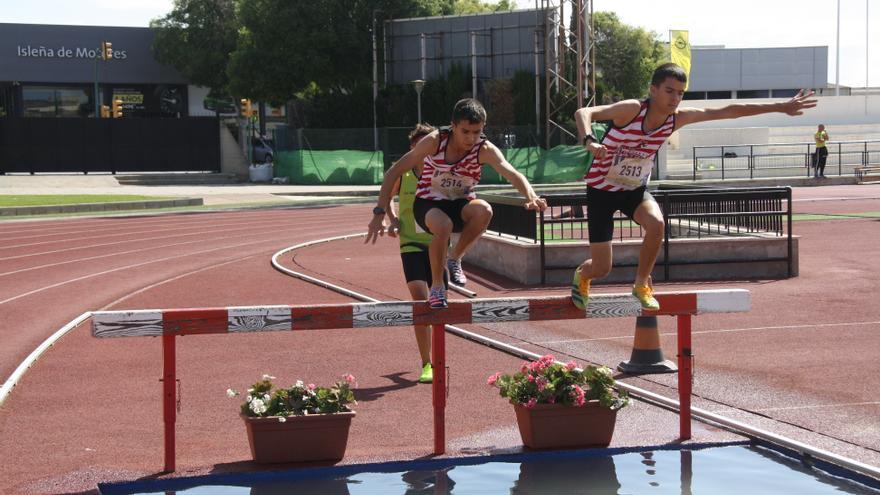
<point x="452" y="209"/>
<point x="601" y="206"/>
<point x="417" y="267"/>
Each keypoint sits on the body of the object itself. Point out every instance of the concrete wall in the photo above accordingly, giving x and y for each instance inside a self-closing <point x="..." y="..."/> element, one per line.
<point x="843" y="116"/>
<point x="831" y="110"/>
<point x="232" y="158"/>
<point x="521" y="261"/>
<point x="732" y="69"/>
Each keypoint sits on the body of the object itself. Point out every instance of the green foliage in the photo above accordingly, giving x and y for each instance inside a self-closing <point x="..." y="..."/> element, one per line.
<point x="547" y="382"/>
<point x="523" y="87"/>
<point x="196" y="38"/>
<point x="297" y="400"/>
<point x="626" y="57"/>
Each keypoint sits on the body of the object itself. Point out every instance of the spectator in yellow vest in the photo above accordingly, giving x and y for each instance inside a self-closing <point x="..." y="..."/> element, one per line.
<point x="821" y="154"/>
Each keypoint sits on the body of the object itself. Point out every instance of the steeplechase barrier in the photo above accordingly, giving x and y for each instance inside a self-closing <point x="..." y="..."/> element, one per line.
<point x="171" y="323"/>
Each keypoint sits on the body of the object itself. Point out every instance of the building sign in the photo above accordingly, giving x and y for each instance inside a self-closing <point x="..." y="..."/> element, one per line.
<point x="65" y="52"/>
<point x="132" y="100"/>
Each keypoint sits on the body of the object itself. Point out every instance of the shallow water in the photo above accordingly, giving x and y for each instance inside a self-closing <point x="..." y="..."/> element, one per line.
<point x="712" y="471"/>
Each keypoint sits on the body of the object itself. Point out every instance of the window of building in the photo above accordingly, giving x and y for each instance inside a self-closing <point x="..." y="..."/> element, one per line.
<point x="718" y="95"/>
<point x="47" y="101"/>
<point x="694" y="95"/>
<point x="753" y="93"/>
<point x="784" y="93"/>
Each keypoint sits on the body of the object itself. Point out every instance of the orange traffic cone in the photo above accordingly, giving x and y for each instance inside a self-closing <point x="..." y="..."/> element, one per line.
<point x="647" y="356"/>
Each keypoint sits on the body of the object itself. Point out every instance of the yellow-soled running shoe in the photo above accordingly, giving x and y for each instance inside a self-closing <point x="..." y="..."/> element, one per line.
<point x="427" y="375"/>
<point x="580" y="290"/>
<point x="645" y="295"/>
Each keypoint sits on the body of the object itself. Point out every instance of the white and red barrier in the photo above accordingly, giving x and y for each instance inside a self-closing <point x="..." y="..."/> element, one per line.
<point x="170" y="323"/>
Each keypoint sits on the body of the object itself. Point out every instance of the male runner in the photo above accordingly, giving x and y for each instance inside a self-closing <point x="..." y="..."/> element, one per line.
<point x="624" y="157"/>
<point x="414" y="250"/>
<point x="449" y="164"/>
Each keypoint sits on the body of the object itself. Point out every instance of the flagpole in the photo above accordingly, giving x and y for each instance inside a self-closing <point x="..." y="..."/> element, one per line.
<point x="837" y="63"/>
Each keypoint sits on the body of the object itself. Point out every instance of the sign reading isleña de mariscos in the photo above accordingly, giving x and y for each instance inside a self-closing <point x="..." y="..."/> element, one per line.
<point x="64" y="52"/>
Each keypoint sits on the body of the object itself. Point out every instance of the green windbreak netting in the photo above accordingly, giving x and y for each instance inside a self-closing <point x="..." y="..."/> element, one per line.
<point x="343" y="167"/>
<point x="338" y="167"/>
<point x="554" y="166"/>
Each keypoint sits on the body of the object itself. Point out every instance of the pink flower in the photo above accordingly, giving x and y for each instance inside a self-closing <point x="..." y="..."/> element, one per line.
<point x="531" y="378"/>
<point x="531" y="403"/>
<point x="311" y="386"/>
<point x="492" y="379"/>
<point x="542" y="383"/>
<point x="570" y="365"/>
<point x="350" y="379"/>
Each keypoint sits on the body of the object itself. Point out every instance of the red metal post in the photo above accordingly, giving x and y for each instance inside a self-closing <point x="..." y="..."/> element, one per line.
<point x="438" y="386"/>
<point x="685" y="375"/>
<point x="169" y="396"/>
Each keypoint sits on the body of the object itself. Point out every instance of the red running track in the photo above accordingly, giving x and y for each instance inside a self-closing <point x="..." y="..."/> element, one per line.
<point x="90" y="410"/>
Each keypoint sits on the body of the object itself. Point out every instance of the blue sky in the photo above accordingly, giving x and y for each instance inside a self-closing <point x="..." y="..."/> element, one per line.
<point x="740" y="24"/>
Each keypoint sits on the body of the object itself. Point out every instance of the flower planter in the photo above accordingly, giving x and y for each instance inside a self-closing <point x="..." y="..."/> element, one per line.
<point x="316" y="437"/>
<point x="548" y="426"/>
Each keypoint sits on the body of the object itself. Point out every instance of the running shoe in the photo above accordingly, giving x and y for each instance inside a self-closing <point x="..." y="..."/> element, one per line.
<point x="580" y="290"/>
<point x="427" y="375"/>
<point x="456" y="274"/>
<point x="645" y="295"/>
<point x="437" y="298"/>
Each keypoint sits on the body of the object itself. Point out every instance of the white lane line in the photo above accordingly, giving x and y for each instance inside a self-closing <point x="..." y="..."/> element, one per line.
<point x="813" y="406"/>
<point x="162" y="237"/>
<point x="111" y="225"/>
<point x="726" y="330"/>
<point x="134" y="265"/>
<point x="117" y="233"/>
<point x="170" y="223"/>
<point x="117" y="253"/>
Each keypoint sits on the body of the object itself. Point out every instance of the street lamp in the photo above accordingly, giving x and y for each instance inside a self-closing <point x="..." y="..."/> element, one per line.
<point x="419" y="84"/>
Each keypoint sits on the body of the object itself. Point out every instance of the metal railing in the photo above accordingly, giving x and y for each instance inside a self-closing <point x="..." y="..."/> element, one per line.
<point x="689" y="213"/>
<point x="780" y="159"/>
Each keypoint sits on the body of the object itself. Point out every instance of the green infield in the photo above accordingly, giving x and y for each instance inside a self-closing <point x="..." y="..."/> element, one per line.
<point x="7" y="200"/>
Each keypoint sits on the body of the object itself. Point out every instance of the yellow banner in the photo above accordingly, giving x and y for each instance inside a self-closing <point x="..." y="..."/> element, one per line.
<point x="680" y="49"/>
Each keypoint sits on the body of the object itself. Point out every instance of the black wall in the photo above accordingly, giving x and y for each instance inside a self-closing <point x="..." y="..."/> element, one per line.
<point x="109" y="145"/>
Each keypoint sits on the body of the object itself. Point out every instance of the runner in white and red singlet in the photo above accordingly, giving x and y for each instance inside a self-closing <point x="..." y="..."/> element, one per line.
<point x="448" y="164"/>
<point x="623" y="160"/>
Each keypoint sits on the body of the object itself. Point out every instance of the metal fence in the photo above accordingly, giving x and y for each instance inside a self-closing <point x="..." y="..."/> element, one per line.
<point x="689" y="213"/>
<point x="780" y="159"/>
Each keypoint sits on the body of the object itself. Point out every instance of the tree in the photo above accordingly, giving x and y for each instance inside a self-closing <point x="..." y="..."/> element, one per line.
<point x="196" y="38"/>
<point x="284" y="46"/>
<point x="626" y="57"/>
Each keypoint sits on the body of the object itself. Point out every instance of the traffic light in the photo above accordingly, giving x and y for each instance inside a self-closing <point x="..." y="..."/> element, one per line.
<point x="246" y="108"/>
<point x="106" y="50"/>
<point x="105" y="112"/>
<point x="117" y="109"/>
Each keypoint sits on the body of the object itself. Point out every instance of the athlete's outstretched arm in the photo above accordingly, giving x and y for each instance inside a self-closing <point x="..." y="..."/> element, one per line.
<point x="411" y="160"/>
<point x="492" y="156"/>
<point x="620" y="113"/>
<point x="794" y="106"/>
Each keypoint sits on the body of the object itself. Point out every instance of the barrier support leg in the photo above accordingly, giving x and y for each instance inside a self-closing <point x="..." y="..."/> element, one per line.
<point x="169" y="396"/>
<point x="438" y="386"/>
<point x="685" y="375"/>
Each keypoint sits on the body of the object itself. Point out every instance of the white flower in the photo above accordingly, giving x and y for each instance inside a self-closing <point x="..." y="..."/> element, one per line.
<point x="250" y="390"/>
<point x="268" y="377"/>
<point x="257" y="406"/>
<point x="266" y="397"/>
<point x="299" y="383"/>
<point x="249" y="398"/>
<point x="282" y="419"/>
<point x="231" y="393"/>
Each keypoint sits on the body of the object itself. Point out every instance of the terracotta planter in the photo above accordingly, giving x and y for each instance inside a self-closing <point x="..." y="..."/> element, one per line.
<point x="548" y="426"/>
<point x="316" y="437"/>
